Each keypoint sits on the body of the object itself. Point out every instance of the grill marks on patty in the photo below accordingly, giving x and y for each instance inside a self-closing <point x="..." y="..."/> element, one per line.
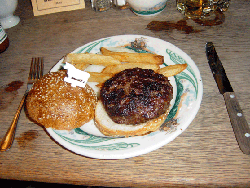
<point x="135" y="96"/>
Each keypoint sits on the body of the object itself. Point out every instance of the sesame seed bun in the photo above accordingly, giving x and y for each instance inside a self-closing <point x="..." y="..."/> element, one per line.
<point x="54" y="103"/>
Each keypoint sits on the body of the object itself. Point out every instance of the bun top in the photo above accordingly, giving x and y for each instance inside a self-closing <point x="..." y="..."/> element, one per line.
<point x="54" y="103"/>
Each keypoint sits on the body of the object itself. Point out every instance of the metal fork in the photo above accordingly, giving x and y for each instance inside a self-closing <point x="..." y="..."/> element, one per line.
<point x="36" y="72"/>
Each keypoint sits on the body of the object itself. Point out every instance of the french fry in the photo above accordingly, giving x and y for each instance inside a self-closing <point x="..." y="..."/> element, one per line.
<point x="92" y="59"/>
<point x="81" y="66"/>
<point x="99" y="77"/>
<point x="99" y="85"/>
<point x="172" y="70"/>
<point x="134" y="57"/>
<point x="118" y="68"/>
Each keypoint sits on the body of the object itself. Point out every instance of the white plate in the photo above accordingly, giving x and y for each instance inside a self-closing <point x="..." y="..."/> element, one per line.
<point x="188" y="90"/>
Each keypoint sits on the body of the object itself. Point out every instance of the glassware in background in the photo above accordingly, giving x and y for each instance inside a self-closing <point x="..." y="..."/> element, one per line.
<point x="121" y="4"/>
<point x="196" y="9"/>
<point x="101" y="5"/>
<point x="7" y="8"/>
<point x="4" y="40"/>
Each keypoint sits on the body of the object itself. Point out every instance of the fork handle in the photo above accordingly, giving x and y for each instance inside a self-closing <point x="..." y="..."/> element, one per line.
<point x="8" y="139"/>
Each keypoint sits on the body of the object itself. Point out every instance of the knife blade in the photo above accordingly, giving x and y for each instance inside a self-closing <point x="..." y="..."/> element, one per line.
<point x="237" y="118"/>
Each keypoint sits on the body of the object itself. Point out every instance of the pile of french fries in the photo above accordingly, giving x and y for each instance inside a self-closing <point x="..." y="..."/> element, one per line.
<point x="116" y="62"/>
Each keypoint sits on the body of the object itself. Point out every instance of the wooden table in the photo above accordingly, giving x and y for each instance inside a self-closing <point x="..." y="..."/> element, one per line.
<point x="206" y="154"/>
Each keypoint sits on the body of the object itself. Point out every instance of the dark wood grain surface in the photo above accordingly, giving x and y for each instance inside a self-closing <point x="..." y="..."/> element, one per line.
<point x="205" y="154"/>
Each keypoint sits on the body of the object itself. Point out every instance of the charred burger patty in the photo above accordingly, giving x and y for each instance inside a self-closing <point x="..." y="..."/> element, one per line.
<point x="135" y="96"/>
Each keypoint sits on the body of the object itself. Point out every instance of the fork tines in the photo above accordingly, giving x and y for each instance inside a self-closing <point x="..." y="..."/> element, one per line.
<point x="36" y="68"/>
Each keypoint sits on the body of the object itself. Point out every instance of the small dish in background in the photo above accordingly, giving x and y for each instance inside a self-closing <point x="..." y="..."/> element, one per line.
<point x="147" y="7"/>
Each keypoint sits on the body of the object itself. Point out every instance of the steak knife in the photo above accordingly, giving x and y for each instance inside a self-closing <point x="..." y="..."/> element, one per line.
<point x="238" y="121"/>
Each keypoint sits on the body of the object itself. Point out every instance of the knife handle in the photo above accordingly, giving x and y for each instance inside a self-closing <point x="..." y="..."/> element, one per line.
<point x="238" y="121"/>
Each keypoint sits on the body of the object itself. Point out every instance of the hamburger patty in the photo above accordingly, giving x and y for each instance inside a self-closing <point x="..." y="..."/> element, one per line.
<point x="135" y="96"/>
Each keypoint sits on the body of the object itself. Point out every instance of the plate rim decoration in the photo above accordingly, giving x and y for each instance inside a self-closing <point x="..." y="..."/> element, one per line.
<point x="189" y="92"/>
